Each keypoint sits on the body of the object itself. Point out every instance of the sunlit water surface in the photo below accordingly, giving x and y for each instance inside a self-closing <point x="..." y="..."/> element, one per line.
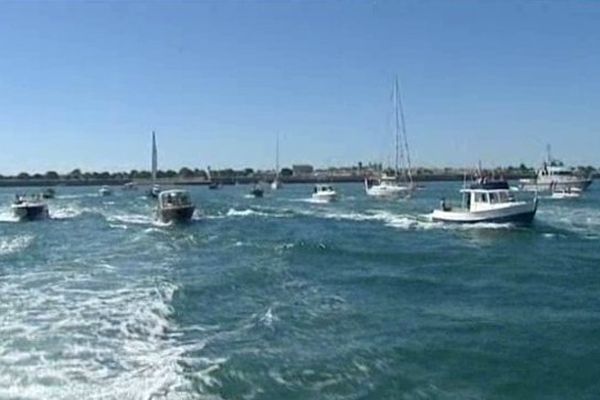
<point x="281" y="298"/>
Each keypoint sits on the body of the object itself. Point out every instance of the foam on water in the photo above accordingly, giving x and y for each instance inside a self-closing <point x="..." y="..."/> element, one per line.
<point x="63" y="341"/>
<point x="15" y="244"/>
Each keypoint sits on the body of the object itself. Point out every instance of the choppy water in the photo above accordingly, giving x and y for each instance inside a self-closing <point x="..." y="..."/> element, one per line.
<point x="280" y="298"/>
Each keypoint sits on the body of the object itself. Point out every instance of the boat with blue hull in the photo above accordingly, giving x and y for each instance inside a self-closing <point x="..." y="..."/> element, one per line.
<point x="488" y="202"/>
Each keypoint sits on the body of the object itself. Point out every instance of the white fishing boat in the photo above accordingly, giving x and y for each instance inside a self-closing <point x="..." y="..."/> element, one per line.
<point x="105" y="191"/>
<point x="324" y="193"/>
<point x="566" y="193"/>
<point x="554" y="175"/>
<point x="276" y="184"/>
<point x="155" y="189"/>
<point x="174" y="206"/>
<point x="29" y="209"/>
<point x="400" y="184"/>
<point x="129" y="186"/>
<point x="487" y="202"/>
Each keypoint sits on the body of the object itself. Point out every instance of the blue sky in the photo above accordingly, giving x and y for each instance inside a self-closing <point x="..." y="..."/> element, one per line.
<point x="83" y="84"/>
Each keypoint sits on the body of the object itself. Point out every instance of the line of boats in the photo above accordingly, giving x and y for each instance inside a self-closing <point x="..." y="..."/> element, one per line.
<point x="484" y="200"/>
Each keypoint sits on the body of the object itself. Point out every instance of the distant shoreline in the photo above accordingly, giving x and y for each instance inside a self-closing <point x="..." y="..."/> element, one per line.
<point x="15" y="182"/>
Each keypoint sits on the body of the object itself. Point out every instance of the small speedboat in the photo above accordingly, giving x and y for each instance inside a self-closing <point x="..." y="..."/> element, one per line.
<point x="324" y="193"/>
<point x="214" y="185"/>
<point x="566" y="193"/>
<point x="29" y="209"/>
<point x="487" y="202"/>
<point x="48" y="193"/>
<point x="387" y="186"/>
<point x="257" y="191"/>
<point x="129" y="186"/>
<point x="154" y="191"/>
<point x="105" y="191"/>
<point x="174" y="206"/>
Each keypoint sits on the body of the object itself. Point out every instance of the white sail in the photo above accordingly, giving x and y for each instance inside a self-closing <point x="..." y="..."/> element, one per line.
<point x="154" y="158"/>
<point x="276" y="184"/>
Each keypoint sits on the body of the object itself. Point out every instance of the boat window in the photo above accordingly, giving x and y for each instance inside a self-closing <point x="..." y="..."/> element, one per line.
<point x="479" y="197"/>
<point x="502" y="197"/>
<point x="493" y="197"/>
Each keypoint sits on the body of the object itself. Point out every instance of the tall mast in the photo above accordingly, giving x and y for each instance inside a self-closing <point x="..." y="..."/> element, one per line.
<point x="396" y="128"/>
<point x="154" y="157"/>
<point x="408" y="171"/>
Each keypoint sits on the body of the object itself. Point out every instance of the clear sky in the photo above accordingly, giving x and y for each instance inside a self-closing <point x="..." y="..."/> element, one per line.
<point x="83" y="84"/>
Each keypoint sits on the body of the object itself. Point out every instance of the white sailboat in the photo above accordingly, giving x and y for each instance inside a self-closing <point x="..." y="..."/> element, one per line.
<point x="155" y="190"/>
<point x="276" y="184"/>
<point x="393" y="185"/>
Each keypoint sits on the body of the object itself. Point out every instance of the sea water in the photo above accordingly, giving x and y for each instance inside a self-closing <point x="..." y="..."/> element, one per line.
<point x="282" y="298"/>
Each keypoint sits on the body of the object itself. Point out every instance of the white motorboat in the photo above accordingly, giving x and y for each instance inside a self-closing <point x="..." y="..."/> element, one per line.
<point x="387" y="186"/>
<point x="566" y="193"/>
<point x="554" y="175"/>
<point x="488" y="202"/>
<point x="129" y="186"/>
<point x="154" y="191"/>
<point x="324" y="193"/>
<point x="29" y="209"/>
<point x="105" y="191"/>
<point x="400" y="184"/>
<point x="174" y="206"/>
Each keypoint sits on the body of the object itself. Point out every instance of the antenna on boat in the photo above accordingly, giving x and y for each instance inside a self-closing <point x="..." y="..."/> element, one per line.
<point x="549" y="154"/>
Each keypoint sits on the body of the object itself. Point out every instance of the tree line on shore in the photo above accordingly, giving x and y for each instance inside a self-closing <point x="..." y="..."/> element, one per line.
<point x="228" y="173"/>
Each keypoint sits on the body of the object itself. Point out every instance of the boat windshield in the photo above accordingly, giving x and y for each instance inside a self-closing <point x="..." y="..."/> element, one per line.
<point x="176" y="199"/>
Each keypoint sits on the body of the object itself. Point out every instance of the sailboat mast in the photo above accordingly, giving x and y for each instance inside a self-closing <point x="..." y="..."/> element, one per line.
<point x="154" y="157"/>
<point x="397" y="128"/>
<point x="408" y="171"/>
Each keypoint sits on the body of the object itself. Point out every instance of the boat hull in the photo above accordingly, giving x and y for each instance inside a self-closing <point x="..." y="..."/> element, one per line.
<point x="31" y="212"/>
<point x="518" y="214"/>
<point x="325" y="197"/>
<point x="533" y="185"/>
<point x="175" y="214"/>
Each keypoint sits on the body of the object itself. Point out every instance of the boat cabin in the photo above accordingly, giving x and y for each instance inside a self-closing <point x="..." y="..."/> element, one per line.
<point x="323" y="188"/>
<point x="174" y="198"/>
<point x="487" y="195"/>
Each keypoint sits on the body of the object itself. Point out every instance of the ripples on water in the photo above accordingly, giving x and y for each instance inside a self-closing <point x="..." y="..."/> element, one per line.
<point x="281" y="298"/>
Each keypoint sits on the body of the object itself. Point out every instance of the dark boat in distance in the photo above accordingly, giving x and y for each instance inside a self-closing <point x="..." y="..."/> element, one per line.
<point x="49" y="193"/>
<point x="174" y="206"/>
<point x="257" y="191"/>
<point x="29" y="209"/>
